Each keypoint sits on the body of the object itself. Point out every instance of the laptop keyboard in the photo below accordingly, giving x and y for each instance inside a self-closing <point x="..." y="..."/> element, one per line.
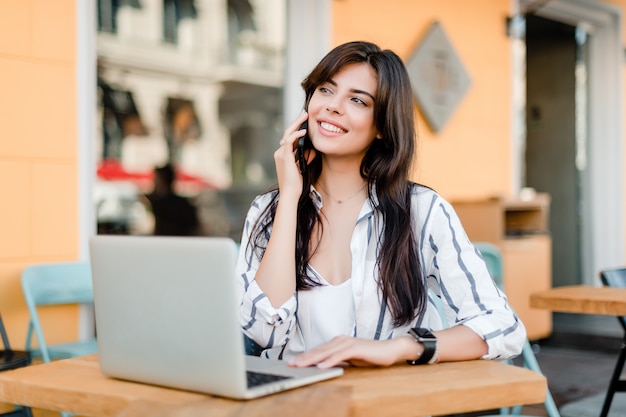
<point x="258" y="378"/>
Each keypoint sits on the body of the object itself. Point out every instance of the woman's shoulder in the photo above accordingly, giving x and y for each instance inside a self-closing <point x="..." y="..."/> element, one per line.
<point x="260" y="203"/>
<point x="264" y="199"/>
<point x="423" y="193"/>
<point x="428" y="201"/>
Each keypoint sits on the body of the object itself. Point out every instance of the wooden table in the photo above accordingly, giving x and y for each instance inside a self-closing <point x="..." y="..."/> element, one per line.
<point x="582" y="299"/>
<point x="586" y="299"/>
<point x="77" y="385"/>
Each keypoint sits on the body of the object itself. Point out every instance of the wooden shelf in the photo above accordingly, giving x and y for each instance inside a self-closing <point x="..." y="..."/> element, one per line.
<point x="520" y="229"/>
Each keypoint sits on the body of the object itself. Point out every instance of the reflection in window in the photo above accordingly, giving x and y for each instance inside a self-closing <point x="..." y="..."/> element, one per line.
<point x="173" y="12"/>
<point x="241" y="26"/>
<point x="219" y="128"/>
<point x="181" y="125"/>
<point x="120" y="118"/>
<point x="171" y="17"/>
<point x="107" y="15"/>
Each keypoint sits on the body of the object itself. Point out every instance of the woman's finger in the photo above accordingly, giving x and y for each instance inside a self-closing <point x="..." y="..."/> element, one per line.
<point x="293" y="131"/>
<point x="337" y="348"/>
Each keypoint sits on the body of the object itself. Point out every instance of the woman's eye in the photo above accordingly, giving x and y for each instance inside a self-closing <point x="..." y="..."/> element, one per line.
<point x="324" y="90"/>
<point x="359" y="101"/>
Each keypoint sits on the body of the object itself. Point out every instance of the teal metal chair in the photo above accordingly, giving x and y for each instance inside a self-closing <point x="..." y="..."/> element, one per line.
<point x="615" y="277"/>
<point x="56" y="284"/>
<point x="493" y="258"/>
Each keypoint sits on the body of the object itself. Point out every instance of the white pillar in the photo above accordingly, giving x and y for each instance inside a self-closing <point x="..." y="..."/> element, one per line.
<point x="308" y="40"/>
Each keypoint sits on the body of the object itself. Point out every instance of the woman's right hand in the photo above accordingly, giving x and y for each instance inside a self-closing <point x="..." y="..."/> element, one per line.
<point x="286" y="159"/>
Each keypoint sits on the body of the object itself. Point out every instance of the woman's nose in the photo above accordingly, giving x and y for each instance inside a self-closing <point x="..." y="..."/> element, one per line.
<point x="333" y="105"/>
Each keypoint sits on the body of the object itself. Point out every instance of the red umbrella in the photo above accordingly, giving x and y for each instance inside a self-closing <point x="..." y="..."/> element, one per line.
<point x="112" y="170"/>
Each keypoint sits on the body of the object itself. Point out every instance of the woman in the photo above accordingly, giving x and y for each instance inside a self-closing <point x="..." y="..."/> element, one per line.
<point x="349" y="262"/>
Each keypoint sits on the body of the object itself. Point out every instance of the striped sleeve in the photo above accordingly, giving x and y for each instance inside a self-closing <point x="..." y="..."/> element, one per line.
<point x="266" y="325"/>
<point x="469" y="296"/>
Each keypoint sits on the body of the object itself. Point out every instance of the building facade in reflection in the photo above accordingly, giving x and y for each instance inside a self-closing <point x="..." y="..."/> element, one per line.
<point x="194" y="83"/>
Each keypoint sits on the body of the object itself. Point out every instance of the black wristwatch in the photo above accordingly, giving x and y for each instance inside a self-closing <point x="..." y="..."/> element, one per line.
<point x="429" y="340"/>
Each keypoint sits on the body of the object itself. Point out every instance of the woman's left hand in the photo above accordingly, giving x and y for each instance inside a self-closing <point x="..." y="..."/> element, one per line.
<point x="356" y="351"/>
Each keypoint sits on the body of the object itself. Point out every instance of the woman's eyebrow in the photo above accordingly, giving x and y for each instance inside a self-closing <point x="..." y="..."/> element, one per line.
<point x="357" y="91"/>
<point x="354" y="90"/>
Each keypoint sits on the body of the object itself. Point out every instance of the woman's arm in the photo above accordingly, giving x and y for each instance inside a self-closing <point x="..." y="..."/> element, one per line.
<point x="276" y="273"/>
<point x="469" y="295"/>
<point x="454" y="344"/>
<point x="267" y="286"/>
<point x="268" y="326"/>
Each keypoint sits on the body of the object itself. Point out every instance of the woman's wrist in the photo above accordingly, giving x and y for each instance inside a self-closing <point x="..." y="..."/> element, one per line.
<point x="289" y="197"/>
<point x="408" y="349"/>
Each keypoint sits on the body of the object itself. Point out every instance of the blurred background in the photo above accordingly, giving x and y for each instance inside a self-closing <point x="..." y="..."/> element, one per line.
<point x="196" y="84"/>
<point x="519" y="108"/>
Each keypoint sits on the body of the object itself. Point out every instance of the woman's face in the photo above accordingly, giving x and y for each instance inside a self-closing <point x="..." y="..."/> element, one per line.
<point x="341" y="112"/>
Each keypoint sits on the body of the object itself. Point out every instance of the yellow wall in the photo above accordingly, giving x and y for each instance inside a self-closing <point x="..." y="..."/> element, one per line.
<point x="470" y="155"/>
<point x="38" y="152"/>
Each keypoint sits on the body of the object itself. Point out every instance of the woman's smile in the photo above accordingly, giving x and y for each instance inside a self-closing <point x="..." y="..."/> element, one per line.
<point x="331" y="127"/>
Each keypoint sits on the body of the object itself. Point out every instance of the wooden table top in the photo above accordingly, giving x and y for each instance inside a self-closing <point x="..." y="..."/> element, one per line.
<point x="583" y="299"/>
<point x="77" y="385"/>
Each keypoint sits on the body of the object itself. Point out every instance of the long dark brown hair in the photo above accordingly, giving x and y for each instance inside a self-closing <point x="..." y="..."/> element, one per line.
<point x="386" y="166"/>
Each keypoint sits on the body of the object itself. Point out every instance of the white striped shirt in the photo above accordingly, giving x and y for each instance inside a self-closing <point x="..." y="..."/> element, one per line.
<point x="457" y="277"/>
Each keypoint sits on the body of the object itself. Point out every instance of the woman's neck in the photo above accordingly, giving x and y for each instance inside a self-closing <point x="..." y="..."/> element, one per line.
<point x="341" y="187"/>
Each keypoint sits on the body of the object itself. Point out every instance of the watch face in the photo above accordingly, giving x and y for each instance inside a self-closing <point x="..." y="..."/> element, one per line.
<point x="424" y="334"/>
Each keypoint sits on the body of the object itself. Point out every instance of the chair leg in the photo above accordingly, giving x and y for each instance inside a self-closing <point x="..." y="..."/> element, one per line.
<point x="615" y="379"/>
<point x="550" y="405"/>
<point x="18" y="412"/>
<point x="530" y="362"/>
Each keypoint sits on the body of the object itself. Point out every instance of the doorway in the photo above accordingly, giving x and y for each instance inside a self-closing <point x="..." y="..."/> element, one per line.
<point x="600" y="184"/>
<point x="552" y="88"/>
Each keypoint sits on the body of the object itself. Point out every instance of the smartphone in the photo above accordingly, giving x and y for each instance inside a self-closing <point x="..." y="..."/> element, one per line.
<point x="303" y="143"/>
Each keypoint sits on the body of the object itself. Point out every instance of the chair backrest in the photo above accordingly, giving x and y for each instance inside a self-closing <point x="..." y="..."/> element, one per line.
<point x="57" y="283"/>
<point x="615" y="277"/>
<point x="54" y="284"/>
<point x="493" y="258"/>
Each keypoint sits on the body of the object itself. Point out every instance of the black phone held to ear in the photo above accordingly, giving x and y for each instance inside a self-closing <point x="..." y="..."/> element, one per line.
<point x="303" y="143"/>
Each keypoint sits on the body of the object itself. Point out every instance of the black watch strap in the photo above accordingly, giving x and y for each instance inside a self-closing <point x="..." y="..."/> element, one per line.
<point x="429" y="341"/>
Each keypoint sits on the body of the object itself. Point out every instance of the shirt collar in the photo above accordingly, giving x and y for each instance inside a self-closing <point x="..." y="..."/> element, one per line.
<point x="316" y="197"/>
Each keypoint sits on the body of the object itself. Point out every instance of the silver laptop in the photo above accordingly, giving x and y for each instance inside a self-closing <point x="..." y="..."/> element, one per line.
<point x="166" y="314"/>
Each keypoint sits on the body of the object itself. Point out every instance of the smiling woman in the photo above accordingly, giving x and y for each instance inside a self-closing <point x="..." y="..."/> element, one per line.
<point x="343" y="111"/>
<point x="371" y="249"/>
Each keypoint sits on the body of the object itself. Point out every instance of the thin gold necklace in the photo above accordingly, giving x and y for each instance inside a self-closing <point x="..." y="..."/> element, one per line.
<point x="342" y="200"/>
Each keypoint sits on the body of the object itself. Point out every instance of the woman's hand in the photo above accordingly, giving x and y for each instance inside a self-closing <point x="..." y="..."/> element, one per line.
<point x="358" y="352"/>
<point x="285" y="158"/>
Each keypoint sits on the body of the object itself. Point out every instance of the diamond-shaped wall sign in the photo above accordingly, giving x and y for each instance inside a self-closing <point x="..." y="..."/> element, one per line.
<point x="438" y="77"/>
